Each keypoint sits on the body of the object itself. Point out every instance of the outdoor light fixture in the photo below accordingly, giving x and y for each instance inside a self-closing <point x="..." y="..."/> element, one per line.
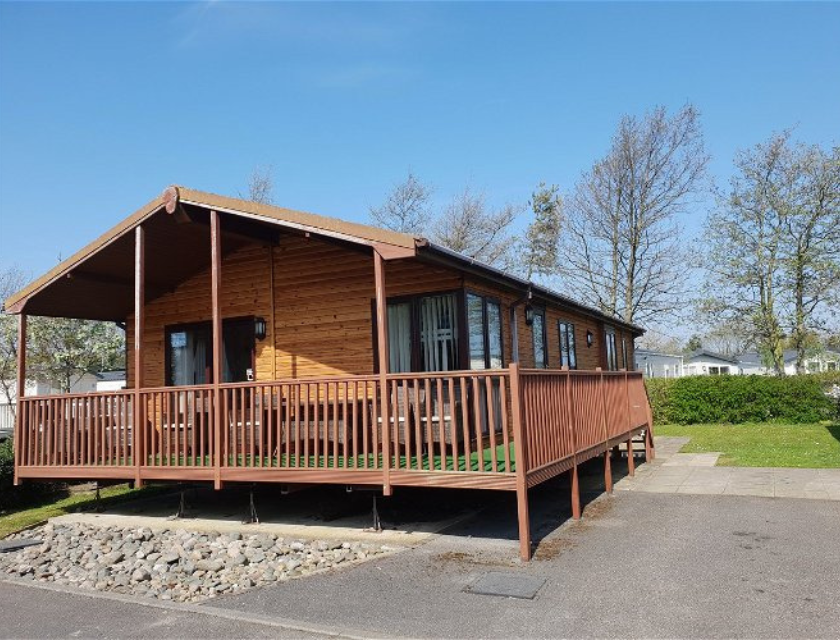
<point x="590" y="338"/>
<point x="529" y="314"/>
<point x="259" y="328"/>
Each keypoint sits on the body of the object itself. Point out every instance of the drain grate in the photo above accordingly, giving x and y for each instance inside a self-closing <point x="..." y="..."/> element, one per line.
<point x="508" y="585"/>
<point x="7" y="546"/>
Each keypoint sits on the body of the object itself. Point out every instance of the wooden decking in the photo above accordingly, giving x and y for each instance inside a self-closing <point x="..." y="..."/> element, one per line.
<point x="506" y="429"/>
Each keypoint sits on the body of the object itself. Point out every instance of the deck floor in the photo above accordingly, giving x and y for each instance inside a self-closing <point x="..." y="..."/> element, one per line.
<point x="476" y="463"/>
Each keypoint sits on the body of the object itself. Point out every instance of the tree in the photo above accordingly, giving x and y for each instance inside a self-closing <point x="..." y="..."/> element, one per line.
<point x="727" y="338"/>
<point x="261" y="185"/>
<point x="61" y="350"/>
<point x="470" y="228"/>
<point x="406" y="209"/>
<point x="12" y="279"/>
<point x="811" y="228"/>
<point x="744" y="244"/>
<point x="774" y="246"/>
<point x="542" y="238"/>
<point x="623" y="249"/>
<point x="58" y="350"/>
<point x="694" y="343"/>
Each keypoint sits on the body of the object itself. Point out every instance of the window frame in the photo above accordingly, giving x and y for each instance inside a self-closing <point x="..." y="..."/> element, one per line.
<point x="485" y="324"/>
<point x="570" y="348"/>
<point x="540" y="311"/>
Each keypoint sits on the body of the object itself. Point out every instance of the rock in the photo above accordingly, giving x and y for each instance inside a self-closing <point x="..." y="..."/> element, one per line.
<point x="141" y="575"/>
<point x="170" y="557"/>
<point x="210" y="565"/>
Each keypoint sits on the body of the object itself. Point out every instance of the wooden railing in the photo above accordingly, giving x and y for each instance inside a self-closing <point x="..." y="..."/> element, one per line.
<point x="570" y="416"/>
<point x="75" y="430"/>
<point x="430" y="428"/>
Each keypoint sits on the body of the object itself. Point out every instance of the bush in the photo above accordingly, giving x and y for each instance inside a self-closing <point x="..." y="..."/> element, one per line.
<point x="738" y="399"/>
<point x="27" y="494"/>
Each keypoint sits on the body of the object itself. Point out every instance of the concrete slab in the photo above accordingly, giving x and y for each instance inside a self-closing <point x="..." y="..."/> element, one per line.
<point x="315" y="514"/>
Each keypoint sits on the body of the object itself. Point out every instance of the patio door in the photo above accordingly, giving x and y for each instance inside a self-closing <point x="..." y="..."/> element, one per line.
<point x="423" y="333"/>
<point x="189" y="352"/>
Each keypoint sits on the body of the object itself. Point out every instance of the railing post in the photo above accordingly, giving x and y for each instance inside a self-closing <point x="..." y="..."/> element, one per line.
<point x="520" y="449"/>
<point x="216" y="275"/>
<point x="650" y="449"/>
<point x="631" y="463"/>
<point x="570" y="417"/>
<point x="21" y="391"/>
<point x="384" y="360"/>
<point x="608" y="482"/>
<point x="137" y="438"/>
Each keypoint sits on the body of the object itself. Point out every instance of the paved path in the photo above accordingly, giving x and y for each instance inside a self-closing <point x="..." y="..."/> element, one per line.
<point x="636" y="565"/>
<point x="32" y="611"/>
<point x="695" y="473"/>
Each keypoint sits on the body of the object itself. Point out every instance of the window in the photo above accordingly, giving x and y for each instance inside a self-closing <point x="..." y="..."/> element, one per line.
<point x="624" y="352"/>
<point x="831" y="366"/>
<point x="189" y="352"/>
<point x="484" y="327"/>
<point x="539" y="336"/>
<point x="568" y="355"/>
<point x="423" y="333"/>
<point x="718" y="371"/>
<point x="612" y="356"/>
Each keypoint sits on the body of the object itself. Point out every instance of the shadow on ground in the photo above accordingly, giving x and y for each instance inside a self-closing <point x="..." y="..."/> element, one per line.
<point x="409" y="509"/>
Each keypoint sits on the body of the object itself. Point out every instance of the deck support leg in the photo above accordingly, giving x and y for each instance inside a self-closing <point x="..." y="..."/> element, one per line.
<point x="98" y="505"/>
<point x="182" y="504"/>
<point x="631" y="462"/>
<point x="253" y="517"/>
<point x="524" y="524"/>
<point x="648" y="447"/>
<point x="608" y="480"/>
<point x="575" y="494"/>
<point x="377" y="523"/>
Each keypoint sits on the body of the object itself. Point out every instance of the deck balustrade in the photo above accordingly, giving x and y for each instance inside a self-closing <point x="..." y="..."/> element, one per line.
<point x="462" y="428"/>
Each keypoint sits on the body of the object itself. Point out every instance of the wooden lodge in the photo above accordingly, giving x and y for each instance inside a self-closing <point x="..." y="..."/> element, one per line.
<point x="270" y="345"/>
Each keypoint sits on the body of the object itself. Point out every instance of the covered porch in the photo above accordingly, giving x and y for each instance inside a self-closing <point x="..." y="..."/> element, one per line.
<point x="506" y="428"/>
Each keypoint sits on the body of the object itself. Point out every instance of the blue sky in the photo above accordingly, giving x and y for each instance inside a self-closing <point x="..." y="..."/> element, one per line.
<point x="104" y="104"/>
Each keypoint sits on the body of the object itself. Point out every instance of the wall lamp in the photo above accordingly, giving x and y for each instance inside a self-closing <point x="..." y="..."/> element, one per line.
<point x="259" y="328"/>
<point x="529" y="314"/>
<point x="590" y="338"/>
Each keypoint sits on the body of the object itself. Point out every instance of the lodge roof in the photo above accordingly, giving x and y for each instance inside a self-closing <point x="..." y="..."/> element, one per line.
<point x="174" y="199"/>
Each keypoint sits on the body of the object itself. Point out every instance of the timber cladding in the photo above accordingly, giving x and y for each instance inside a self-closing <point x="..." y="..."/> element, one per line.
<point x="322" y="292"/>
<point x="322" y="321"/>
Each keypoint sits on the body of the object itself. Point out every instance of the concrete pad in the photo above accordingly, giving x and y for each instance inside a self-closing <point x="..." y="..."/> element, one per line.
<point x="765" y="491"/>
<point x="509" y="585"/>
<point x="692" y="460"/>
<point x="702" y="489"/>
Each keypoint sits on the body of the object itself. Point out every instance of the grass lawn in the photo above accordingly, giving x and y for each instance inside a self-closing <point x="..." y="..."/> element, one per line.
<point x="82" y="501"/>
<point x="763" y="444"/>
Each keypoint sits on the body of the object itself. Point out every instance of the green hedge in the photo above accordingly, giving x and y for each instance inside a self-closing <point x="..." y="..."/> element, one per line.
<point x="737" y="399"/>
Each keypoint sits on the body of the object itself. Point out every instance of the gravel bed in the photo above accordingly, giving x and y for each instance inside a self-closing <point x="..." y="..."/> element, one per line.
<point x="176" y="565"/>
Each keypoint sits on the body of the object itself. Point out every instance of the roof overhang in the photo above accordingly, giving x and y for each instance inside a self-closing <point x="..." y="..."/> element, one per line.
<point x="97" y="282"/>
